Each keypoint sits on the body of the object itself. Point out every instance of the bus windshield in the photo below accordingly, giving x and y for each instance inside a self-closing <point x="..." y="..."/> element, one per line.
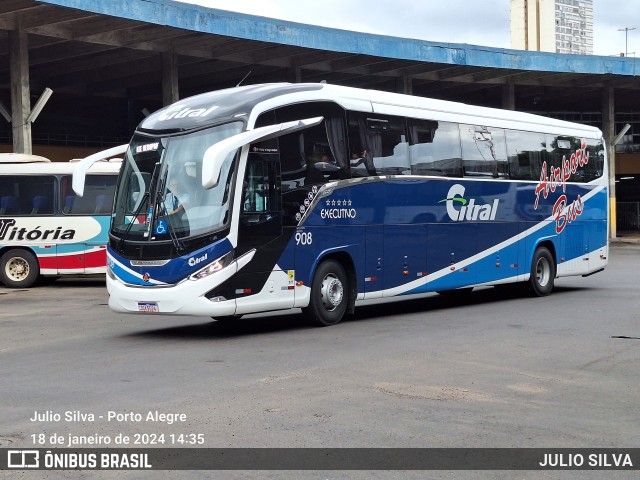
<point x="160" y="195"/>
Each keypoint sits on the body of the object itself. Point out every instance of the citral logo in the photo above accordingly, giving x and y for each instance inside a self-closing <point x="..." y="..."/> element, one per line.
<point x="182" y="111"/>
<point x="468" y="209"/>
<point x="193" y="261"/>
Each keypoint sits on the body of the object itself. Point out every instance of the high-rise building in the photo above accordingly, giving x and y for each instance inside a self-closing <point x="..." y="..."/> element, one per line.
<point x="561" y="26"/>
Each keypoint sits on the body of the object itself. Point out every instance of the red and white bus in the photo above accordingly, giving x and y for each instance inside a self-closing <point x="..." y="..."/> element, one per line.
<point x="47" y="230"/>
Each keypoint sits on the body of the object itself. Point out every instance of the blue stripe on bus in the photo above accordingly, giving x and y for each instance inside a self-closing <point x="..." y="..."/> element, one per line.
<point x="405" y="224"/>
<point x="174" y="271"/>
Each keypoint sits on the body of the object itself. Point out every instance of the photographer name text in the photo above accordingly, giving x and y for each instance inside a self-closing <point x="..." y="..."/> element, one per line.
<point x="78" y="416"/>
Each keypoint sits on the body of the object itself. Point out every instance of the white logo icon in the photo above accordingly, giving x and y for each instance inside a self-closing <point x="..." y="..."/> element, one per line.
<point x="23" y="459"/>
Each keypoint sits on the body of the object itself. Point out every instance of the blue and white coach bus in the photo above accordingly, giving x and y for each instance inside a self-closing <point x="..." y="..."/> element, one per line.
<point x="322" y="197"/>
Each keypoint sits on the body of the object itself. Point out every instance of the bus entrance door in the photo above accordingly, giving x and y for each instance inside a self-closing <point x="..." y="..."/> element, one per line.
<point x="260" y="228"/>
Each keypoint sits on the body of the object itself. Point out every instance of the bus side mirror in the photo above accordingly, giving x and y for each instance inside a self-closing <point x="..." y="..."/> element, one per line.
<point x="80" y="172"/>
<point x="216" y="154"/>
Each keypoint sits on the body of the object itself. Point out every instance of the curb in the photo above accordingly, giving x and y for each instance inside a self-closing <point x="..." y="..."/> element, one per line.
<point x="625" y="240"/>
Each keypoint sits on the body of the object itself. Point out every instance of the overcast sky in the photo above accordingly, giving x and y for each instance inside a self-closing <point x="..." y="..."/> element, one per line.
<point x="478" y="22"/>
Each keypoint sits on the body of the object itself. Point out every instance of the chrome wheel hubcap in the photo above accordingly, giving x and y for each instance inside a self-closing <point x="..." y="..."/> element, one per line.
<point x="543" y="272"/>
<point x="332" y="292"/>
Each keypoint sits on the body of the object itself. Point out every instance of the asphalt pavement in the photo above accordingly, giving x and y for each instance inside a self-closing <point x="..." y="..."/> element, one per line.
<point x="496" y="369"/>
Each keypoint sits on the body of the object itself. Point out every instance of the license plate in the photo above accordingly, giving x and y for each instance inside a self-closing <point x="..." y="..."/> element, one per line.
<point x="148" y="307"/>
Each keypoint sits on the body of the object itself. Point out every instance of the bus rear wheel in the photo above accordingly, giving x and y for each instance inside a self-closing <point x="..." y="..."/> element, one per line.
<point x="543" y="272"/>
<point x="19" y="269"/>
<point x="329" y="295"/>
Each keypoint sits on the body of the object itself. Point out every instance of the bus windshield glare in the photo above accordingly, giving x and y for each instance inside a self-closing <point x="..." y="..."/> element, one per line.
<point x="160" y="195"/>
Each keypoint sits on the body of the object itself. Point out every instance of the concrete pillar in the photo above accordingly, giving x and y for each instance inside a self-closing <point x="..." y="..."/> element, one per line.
<point x="608" y="132"/>
<point x="509" y="96"/>
<point x="294" y="75"/>
<point x="405" y="85"/>
<point x="20" y="101"/>
<point x="170" y="90"/>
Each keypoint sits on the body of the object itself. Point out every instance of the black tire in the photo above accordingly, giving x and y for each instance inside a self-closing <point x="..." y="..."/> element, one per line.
<point x="329" y="295"/>
<point x="19" y="268"/>
<point x="543" y="272"/>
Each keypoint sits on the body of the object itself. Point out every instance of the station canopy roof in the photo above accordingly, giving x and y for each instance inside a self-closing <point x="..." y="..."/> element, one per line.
<point x="95" y="52"/>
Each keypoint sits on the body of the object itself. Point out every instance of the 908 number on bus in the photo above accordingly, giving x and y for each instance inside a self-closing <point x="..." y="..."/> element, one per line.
<point x="304" y="238"/>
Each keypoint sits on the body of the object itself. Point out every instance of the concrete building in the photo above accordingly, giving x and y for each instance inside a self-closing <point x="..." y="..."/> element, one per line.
<point x="560" y="26"/>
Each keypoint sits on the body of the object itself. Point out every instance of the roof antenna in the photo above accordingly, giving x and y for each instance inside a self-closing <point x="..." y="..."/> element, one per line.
<point x="243" y="78"/>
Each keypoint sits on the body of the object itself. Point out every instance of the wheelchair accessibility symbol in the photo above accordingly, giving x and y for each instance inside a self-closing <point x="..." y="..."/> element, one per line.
<point x="161" y="227"/>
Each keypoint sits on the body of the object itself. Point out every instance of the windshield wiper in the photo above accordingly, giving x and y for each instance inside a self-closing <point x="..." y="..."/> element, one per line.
<point x="135" y="216"/>
<point x="177" y="244"/>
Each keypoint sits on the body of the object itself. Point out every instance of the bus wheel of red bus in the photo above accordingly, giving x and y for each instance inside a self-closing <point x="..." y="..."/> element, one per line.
<point x="543" y="272"/>
<point x="329" y="296"/>
<point x="19" y="268"/>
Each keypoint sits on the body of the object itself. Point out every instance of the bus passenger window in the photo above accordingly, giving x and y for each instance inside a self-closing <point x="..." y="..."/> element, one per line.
<point x="595" y="167"/>
<point x="561" y="148"/>
<point x="526" y="153"/>
<point x="8" y="205"/>
<point x="293" y="161"/>
<point x="378" y="146"/>
<point x="27" y="195"/>
<point x="434" y="148"/>
<point x="69" y="200"/>
<point x="97" y="199"/>
<point x="41" y="205"/>
<point x="484" y="151"/>
<point x="324" y="151"/>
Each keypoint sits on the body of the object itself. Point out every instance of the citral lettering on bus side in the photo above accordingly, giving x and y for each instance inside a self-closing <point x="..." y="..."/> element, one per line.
<point x="468" y="210"/>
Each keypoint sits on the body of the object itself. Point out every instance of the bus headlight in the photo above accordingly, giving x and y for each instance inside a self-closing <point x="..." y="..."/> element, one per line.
<point x="110" y="273"/>
<point x="213" y="267"/>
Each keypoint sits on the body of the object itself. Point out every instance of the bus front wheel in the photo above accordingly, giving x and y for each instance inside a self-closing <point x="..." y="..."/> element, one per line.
<point x="329" y="295"/>
<point x="19" y="268"/>
<point x="543" y="272"/>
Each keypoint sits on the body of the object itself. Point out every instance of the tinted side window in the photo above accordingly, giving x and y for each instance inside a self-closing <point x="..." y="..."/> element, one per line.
<point x="435" y="148"/>
<point x="309" y="157"/>
<point x="594" y="169"/>
<point x="27" y="195"/>
<point x="97" y="199"/>
<point x="582" y="159"/>
<point x="378" y="145"/>
<point x="314" y="155"/>
<point x="526" y="153"/>
<point x="484" y="151"/>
